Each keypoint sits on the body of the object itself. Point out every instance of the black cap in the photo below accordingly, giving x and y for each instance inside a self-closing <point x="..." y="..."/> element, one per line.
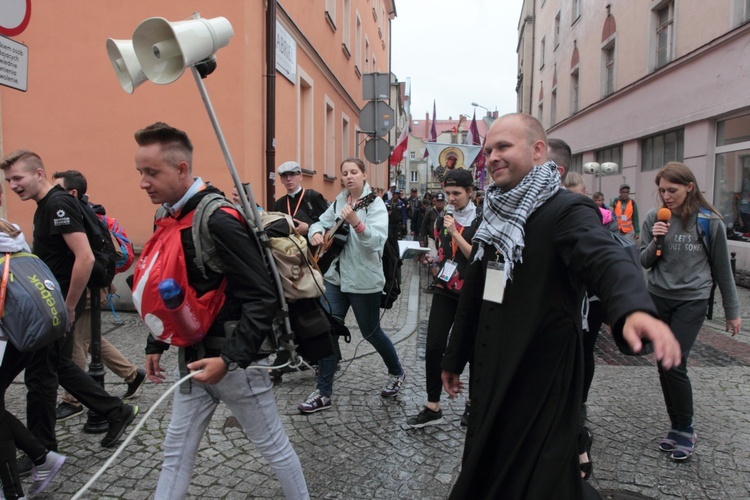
<point x="413" y="190"/>
<point x="440" y="197"/>
<point x="458" y="177"/>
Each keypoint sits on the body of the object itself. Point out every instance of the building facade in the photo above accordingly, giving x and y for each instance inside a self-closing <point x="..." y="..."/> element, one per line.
<point x="76" y="116"/>
<point x="644" y="83"/>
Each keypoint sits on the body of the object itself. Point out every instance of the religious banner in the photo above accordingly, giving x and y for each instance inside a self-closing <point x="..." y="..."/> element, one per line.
<point x="448" y="156"/>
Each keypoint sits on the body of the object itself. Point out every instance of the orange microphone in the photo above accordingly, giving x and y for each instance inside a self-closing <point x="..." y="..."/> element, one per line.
<point x="663" y="215"/>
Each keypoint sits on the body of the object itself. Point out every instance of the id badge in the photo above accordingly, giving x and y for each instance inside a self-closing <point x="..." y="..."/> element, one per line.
<point x="448" y="270"/>
<point x="624" y="218"/>
<point x="494" y="282"/>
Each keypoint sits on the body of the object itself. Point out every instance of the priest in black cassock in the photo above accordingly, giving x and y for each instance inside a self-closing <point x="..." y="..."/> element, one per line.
<point x="519" y="315"/>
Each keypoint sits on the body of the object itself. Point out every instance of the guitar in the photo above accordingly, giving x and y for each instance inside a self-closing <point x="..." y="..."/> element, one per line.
<point x="335" y="238"/>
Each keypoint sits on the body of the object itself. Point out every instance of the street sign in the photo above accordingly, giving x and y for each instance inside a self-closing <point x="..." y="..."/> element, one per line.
<point x="14" y="64"/>
<point x="377" y="117"/>
<point x="375" y="86"/>
<point x="377" y="150"/>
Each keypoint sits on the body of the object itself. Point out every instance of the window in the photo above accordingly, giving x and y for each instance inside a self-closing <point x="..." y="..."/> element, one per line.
<point x="329" y="151"/>
<point x="611" y="154"/>
<point x="541" y="54"/>
<point x="557" y="30"/>
<point x="576" y="164"/>
<point x="345" y="148"/>
<point x="346" y="22"/>
<point x="553" y="108"/>
<point x="413" y="176"/>
<point x="608" y="54"/>
<point x="358" y="48"/>
<point x="540" y="112"/>
<point x="658" y="150"/>
<point x="331" y="13"/>
<point x="368" y="59"/>
<point x="305" y="124"/>
<point x="664" y="26"/>
<point x="574" y="92"/>
<point x="576" y="11"/>
<point x="732" y="177"/>
<point x="412" y="155"/>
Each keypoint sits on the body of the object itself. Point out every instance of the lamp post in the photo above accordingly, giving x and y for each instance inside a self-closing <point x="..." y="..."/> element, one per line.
<point x="476" y="105"/>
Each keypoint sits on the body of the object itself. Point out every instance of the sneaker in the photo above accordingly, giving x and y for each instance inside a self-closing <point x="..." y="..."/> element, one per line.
<point x="684" y="446"/>
<point x="118" y="425"/>
<point x="315" y="402"/>
<point x="667" y="444"/>
<point x="134" y="387"/>
<point x="43" y="474"/>
<point x="425" y="417"/>
<point x="24" y="466"/>
<point x="393" y="386"/>
<point x="465" y="416"/>
<point x="66" y="410"/>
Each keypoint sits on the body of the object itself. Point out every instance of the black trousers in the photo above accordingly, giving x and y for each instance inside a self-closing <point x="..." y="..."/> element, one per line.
<point x="52" y="366"/>
<point x="442" y="312"/>
<point x="12" y="432"/>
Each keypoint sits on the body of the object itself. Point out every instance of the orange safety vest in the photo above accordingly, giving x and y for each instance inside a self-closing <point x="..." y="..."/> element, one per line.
<point x="626" y="222"/>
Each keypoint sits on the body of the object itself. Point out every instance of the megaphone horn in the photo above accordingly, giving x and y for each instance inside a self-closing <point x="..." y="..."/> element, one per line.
<point x="165" y="49"/>
<point x="126" y="65"/>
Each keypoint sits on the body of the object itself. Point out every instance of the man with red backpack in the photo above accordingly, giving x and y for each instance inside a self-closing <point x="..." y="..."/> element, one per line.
<point x="228" y="316"/>
<point x="75" y="183"/>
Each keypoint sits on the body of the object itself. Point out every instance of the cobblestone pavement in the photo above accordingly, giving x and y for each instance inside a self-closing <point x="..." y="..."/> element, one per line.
<point x="362" y="448"/>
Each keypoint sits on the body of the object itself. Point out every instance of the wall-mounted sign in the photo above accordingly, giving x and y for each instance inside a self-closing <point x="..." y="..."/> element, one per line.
<point x="14" y="16"/>
<point x="14" y="64"/>
<point x="286" y="53"/>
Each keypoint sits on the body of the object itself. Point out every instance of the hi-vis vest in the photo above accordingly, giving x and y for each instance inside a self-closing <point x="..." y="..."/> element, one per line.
<point x="626" y="222"/>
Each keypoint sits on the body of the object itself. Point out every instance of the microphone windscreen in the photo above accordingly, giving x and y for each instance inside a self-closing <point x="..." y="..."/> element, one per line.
<point x="664" y="214"/>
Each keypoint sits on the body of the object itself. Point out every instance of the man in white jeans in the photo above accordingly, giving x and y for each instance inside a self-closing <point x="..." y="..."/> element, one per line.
<point x="164" y="161"/>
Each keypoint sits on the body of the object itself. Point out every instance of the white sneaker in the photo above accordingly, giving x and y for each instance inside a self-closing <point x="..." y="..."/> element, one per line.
<point x="43" y="474"/>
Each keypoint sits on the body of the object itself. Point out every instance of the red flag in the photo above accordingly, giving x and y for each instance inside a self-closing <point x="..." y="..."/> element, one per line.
<point x="433" y="130"/>
<point x="472" y="138"/>
<point x="403" y="141"/>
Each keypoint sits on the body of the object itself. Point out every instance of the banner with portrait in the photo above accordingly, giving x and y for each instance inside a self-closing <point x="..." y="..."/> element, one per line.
<point x="446" y="156"/>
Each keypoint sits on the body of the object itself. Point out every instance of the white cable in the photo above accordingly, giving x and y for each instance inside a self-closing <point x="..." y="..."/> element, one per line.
<point x="132" y="434"/>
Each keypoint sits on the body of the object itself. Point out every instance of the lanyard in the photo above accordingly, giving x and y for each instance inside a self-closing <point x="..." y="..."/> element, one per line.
<point x="454" y="245"/>
<point x="289" y="208"/>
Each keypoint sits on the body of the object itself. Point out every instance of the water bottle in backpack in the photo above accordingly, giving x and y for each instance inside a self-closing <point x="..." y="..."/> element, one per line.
<point x="174" y="299"/>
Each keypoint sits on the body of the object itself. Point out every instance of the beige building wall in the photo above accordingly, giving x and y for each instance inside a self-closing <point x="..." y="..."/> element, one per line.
<point x="76" y="115"/>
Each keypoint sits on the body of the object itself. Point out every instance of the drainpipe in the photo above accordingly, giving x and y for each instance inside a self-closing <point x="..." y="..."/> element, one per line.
<point x="270" y="103"/>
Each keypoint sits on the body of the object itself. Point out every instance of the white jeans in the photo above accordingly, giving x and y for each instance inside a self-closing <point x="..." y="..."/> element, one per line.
<point x="249" y="396"/>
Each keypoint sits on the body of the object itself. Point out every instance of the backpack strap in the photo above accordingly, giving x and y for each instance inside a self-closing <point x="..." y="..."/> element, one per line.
<point x="704" y="231"/>
<point x="205" y="249"/>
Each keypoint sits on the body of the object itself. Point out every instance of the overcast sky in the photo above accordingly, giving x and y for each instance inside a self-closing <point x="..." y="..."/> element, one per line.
<point x="457" y="52"/>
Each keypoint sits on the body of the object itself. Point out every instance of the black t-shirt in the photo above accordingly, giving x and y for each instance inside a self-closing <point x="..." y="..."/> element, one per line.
<point x="58" y="213"/>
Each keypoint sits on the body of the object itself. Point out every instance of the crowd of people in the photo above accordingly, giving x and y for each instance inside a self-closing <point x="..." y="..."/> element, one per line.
<point x="500" y="264"/>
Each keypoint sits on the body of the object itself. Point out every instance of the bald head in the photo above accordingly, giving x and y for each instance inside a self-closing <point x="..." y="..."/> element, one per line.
<point x="515" y="143"/>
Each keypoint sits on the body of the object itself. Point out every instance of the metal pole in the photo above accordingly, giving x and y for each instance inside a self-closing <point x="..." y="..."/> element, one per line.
<point x="270" y="103"/>
<point x="96" y="423"/>
<point x="252" y="215"/>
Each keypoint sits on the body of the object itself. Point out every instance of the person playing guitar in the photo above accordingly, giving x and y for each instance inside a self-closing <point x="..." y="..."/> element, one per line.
<point x="355" y="278"/>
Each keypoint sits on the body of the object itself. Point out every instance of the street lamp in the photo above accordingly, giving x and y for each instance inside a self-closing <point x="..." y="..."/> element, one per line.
<point x="480" y="106"/>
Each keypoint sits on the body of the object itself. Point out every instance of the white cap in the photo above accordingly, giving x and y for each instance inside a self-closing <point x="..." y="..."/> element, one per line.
<point x="289" y="167"/>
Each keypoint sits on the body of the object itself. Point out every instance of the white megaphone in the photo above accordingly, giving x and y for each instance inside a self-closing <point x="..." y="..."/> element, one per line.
<point x="591" y="167"/>
<point x="609" y="167"/>
<point x="165" y="49"/>
<point x="127" y="67"/>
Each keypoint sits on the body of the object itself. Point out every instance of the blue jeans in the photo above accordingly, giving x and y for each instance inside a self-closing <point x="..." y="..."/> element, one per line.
<point x="366" y="307"/>
<point x="249" y="396"/>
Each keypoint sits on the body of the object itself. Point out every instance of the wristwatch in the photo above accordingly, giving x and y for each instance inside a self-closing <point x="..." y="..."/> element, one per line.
<point x="231" y="364"/>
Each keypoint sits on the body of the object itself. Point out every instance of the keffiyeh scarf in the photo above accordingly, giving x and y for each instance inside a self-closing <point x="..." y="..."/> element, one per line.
<point x="505" y="213"/>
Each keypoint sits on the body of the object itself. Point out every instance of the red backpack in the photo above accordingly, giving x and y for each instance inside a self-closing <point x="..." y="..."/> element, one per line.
<point x="123" y="245"/>
<point x="185" y="319"/>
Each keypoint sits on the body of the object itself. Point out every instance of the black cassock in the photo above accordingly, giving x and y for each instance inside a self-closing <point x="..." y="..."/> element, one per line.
<point x="527" y="369"/>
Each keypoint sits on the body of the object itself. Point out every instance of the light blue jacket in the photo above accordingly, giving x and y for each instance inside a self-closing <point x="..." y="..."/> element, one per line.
<point x="359" y="267"/>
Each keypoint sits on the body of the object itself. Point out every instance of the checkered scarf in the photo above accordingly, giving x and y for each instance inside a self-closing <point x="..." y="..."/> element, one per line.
<point x="505" y="213"/>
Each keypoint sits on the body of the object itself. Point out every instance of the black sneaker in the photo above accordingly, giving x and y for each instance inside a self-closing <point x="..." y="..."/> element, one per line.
<point x="118" y="425"/>
<point x="24" y="466"/>
<point x="134" y="387"/>
<point x="66" y="410"/>
<point x="425" y="417"/>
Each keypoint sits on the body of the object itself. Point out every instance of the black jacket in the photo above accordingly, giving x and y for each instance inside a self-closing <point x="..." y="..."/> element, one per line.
<point x="250" y="293"/>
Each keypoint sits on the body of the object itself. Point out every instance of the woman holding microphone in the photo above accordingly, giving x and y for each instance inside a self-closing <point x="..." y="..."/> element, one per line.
<point x="355" y="278"/>
<point x="453" y="231"/>
<point x="685" y="251"/>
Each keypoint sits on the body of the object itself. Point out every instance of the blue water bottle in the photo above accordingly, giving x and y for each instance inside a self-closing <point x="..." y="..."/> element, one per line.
<point x="174" y="299"/>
